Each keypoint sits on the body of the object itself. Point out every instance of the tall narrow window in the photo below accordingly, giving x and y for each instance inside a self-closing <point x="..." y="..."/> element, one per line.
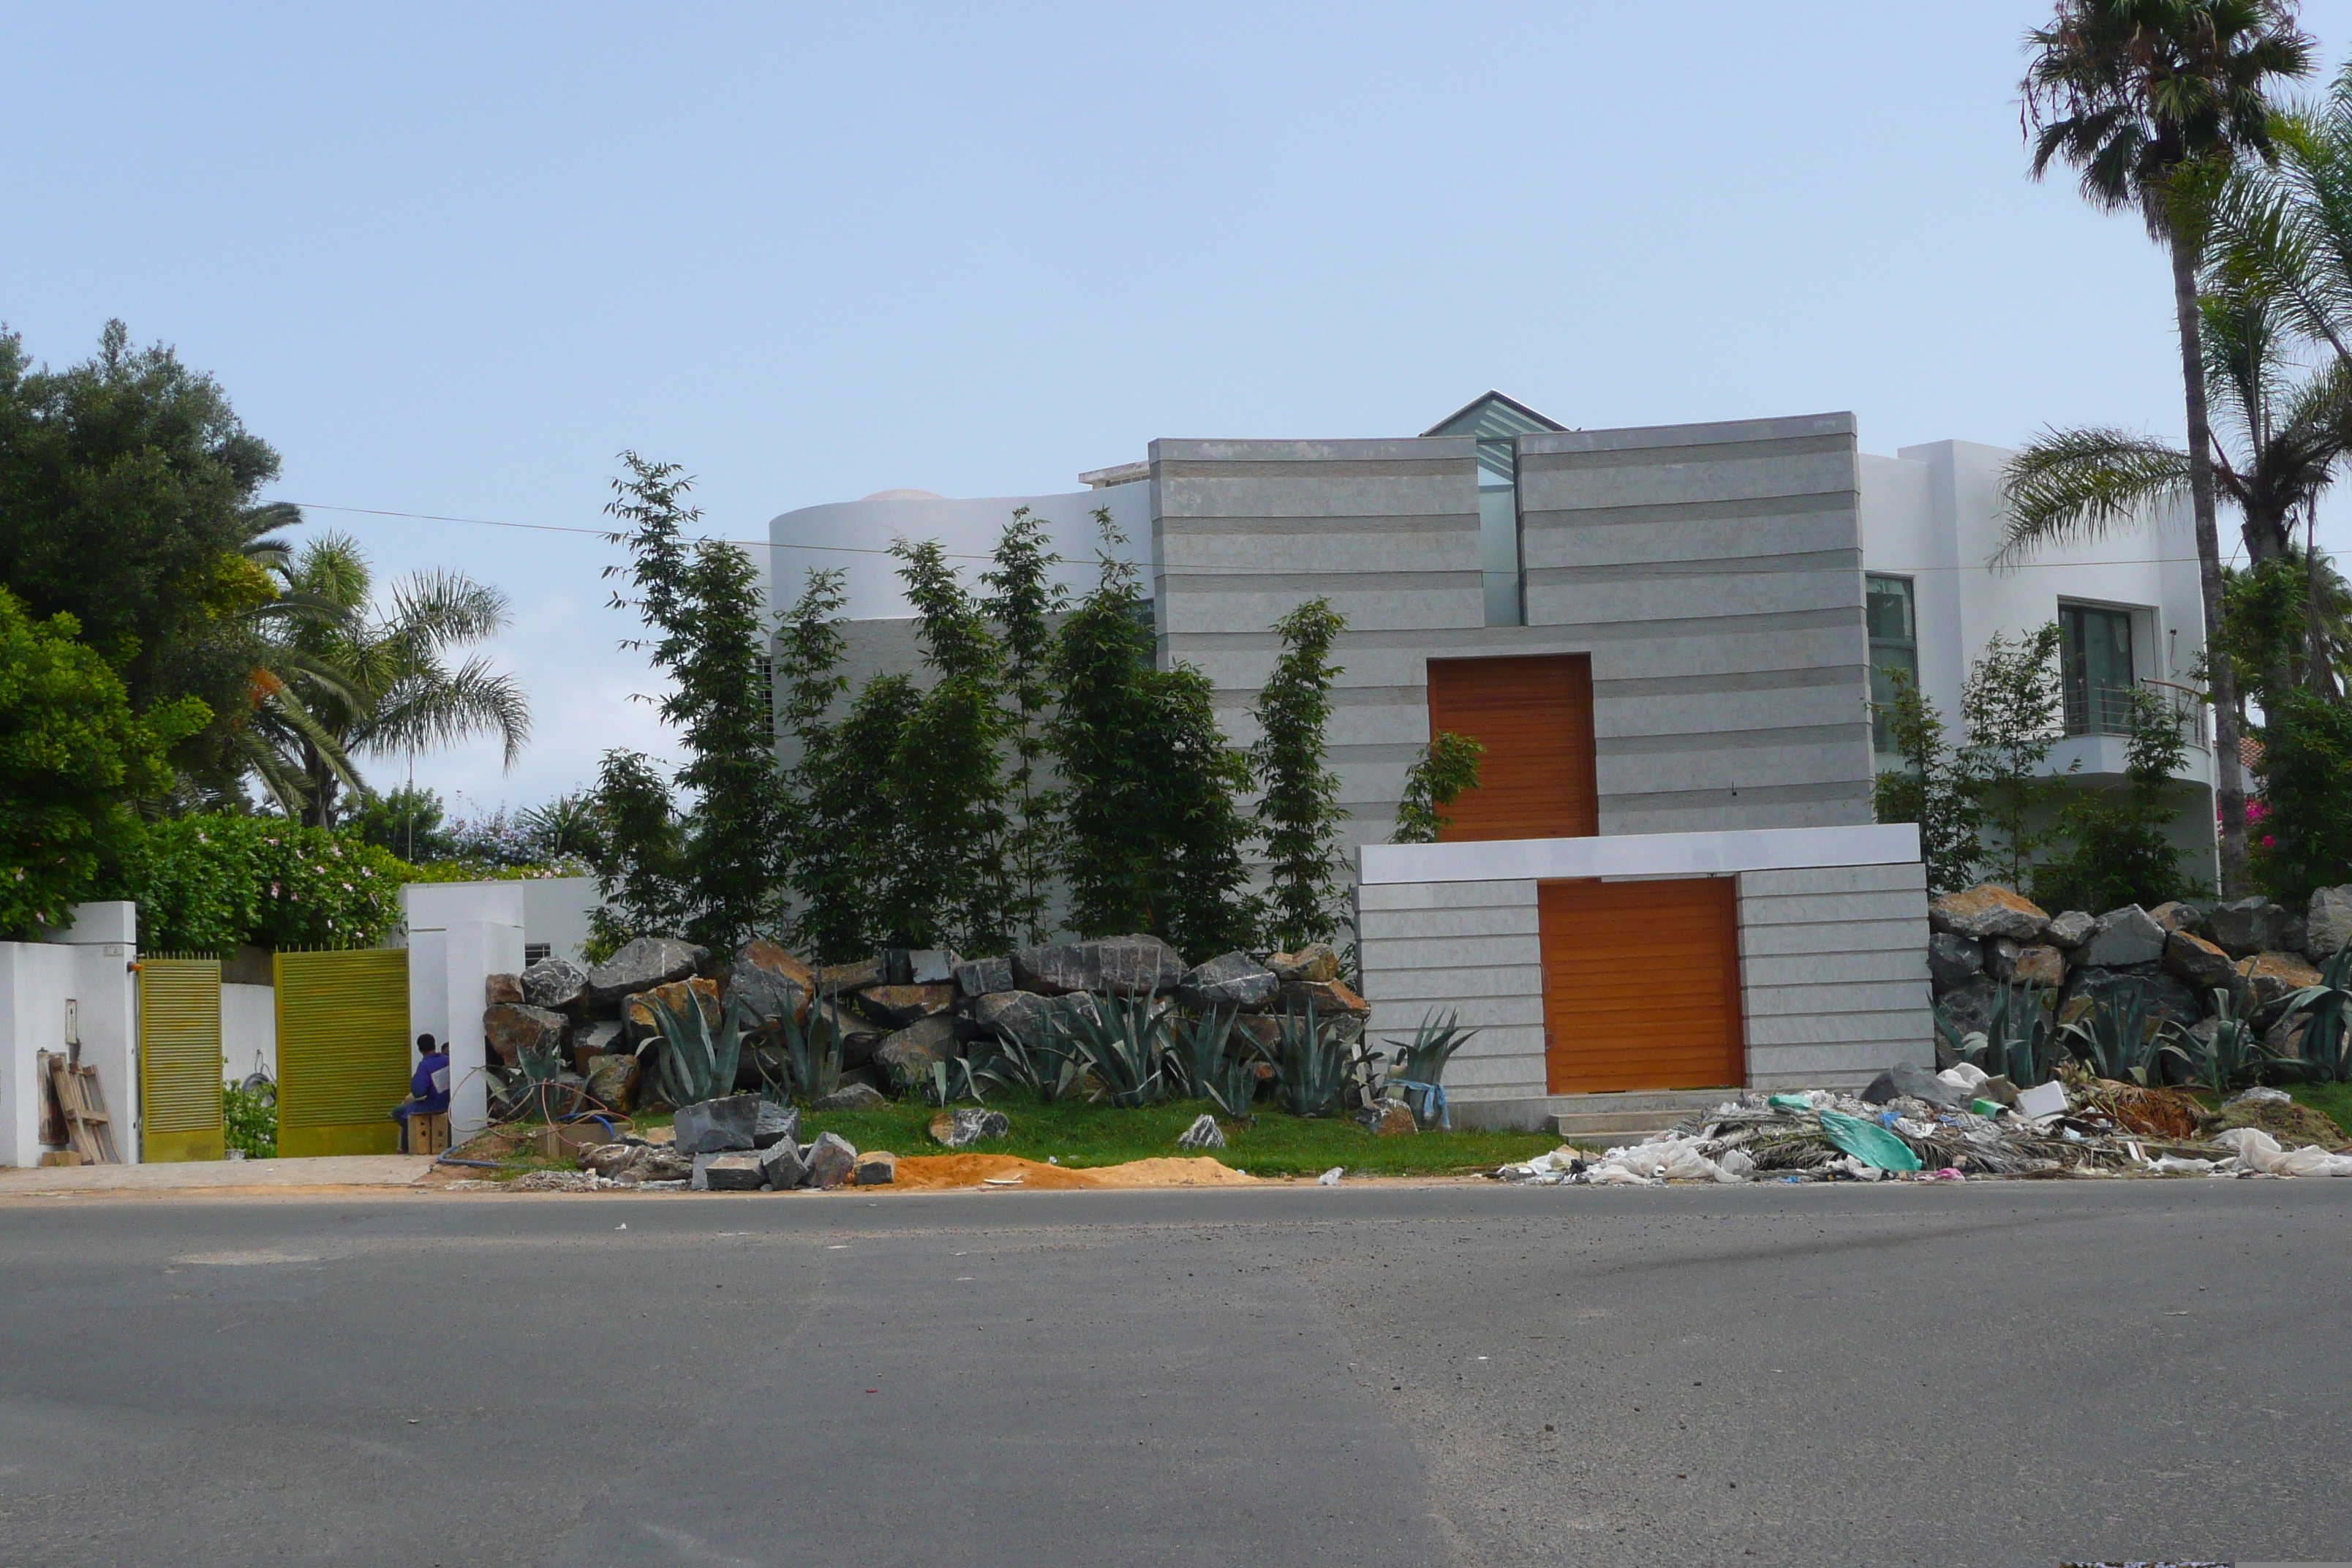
<point x="1497" y="422"/>
<point x="2094" y="666"/>
<point x="1893" y="645"/>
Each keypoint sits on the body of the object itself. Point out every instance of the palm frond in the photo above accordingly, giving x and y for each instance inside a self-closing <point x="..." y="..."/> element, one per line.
<point x="2072" y="486"/>
<point x="431" y="708"/>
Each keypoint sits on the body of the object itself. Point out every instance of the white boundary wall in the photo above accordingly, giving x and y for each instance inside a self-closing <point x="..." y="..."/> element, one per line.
<point x="1833" y="948"/>
<point x="89" y="963"/>
<point x="459" y="934"/>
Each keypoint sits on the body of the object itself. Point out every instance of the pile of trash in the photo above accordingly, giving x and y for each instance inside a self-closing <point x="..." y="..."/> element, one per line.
<point x="1958" y="1125"/>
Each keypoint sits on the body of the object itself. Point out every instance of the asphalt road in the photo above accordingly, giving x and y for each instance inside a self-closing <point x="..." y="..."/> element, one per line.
<point x="1988" y="1374"/>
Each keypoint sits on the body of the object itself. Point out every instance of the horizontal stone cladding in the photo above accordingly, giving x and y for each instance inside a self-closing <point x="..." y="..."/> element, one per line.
<point x="1714" y="571"/>
<point x="1467" y="949"/>
<point x="1834" y="974"/>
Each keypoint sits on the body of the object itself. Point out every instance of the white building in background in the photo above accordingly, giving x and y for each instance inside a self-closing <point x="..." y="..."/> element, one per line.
<point x="2129" y="610"/>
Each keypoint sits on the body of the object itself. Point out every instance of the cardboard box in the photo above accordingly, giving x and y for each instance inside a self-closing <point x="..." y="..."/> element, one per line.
<point x="427" y="1134"/>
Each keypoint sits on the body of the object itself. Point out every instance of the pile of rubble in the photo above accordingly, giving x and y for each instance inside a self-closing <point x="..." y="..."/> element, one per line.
<point x="741" y="1144"/>
<point x="1961" y="1125"/>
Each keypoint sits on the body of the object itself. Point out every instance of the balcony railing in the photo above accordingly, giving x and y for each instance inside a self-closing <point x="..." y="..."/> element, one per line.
<point x="2108" y="709"/>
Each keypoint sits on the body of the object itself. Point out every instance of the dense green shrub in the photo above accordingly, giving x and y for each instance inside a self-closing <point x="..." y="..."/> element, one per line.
<point x="213" y="882"/>
<point x="2305" y="839"/>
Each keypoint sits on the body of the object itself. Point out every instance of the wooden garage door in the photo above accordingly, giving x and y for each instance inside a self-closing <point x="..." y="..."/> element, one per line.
<point x="1641" y="984"/>
<point x="1534" y="716"/>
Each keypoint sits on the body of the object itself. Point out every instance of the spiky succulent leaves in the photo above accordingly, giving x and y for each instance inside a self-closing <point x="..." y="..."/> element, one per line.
<point x="1311" y="1063"/>
<point x="1423" y="1058"/>
<point x="2234" y="1052"/>
<point x="1298" y="809"/>
<point x="812" y="1048"/>
<point x="1123" y="1050"/>
<point x="2326" y="1010"/>
<point x="696" y="1065"/>
<point x="1044" y="1070"/>
<point x="1196" y="1050"/>
<point x="2119" y="1039"/>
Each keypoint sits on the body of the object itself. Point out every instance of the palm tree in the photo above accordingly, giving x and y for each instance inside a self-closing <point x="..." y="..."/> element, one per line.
<point x="2152" y="101"/>
<point x="340" y="679"/>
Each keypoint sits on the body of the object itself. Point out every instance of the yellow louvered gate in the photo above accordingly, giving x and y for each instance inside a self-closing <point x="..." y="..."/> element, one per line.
<point x="180" y="1060"/>
<point x="343" y="1050"/>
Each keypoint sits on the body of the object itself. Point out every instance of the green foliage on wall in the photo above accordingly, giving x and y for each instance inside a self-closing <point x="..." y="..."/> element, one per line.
<point x="1298" y="809"/>
<point x="213" y="882"/>
<point x="2305" y="839"/>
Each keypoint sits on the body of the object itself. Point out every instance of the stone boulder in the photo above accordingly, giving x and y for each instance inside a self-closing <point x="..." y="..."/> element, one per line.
<point x="2329" y="924"/>
<point x="976" y="977"/>
<point x="2198" y="962"/>
<point x="511" y="1028"/>
<point x="558" y="985"/>
<point x="1953" y="960"/>
<point x="784" y="1167"/>
<point x="2038" y="964"/>
<point x="921" y="966"/>
<point x="1918" y="1083"/>
<point x="853" y="1097"/>
<point x="728" y="1173"/>
<point x="2070" y="929"/>
<point x="1388" y="1118"/>
<point x="609" y="1159"/>
<point x="641" y="965"/>
<point x="598" y="1037"/>
<point x="637" y="1010"/>
<point x="769" y="981"/>
<point x="2249" y="926"/>
<point x="1968" y="1006"/>
<point x="2271" y="977"/>
<point x="967" y="1124"/>
<point x="502" y="990"/>
<point x="612" y="1081"/>
<point x="1318" y="961"/>
<point x="775" y="1124"/>
<point x="1988" y="910"/>
<point x="878" y="1168"/>
<point x="1331" y="999"/>
<point x="908" y="1054"/>
<point x="1204" y="1134"/>
<point x="1025" y="1015"/>
<point x="2000" y="958"/>
<point x="831" y="1160"/>
<point x="1119" y="966"/>
<point x="900" y="1006"/>
<point x="718" y="1126"/>
<point x="2166" y="995"/>
<point x="656" y="1162"/>
<point x="2124" y="938"/>
<point x="2177" y="915"/>
<point x="1234" y="980"/>
<point x="843" y="978"/>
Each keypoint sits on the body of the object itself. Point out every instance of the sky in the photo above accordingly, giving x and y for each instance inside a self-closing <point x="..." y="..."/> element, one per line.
<point x="453" y="260"/>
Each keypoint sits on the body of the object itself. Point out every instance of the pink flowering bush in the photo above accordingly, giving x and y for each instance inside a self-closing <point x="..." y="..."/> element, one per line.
<point x="208" y="884"/>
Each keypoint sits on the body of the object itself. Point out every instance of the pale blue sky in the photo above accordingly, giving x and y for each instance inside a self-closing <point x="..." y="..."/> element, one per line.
<point x="451" y="259"/>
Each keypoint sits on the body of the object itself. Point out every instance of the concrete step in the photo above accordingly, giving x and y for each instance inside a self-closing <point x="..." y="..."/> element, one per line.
<point x="1628" y="1118"/>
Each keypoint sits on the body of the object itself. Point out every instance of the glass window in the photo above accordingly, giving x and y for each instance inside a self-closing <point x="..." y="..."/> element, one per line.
<point x="1892" y="617"/>
<point x="1497" y="421"/>
<point x="2094" y="666"/>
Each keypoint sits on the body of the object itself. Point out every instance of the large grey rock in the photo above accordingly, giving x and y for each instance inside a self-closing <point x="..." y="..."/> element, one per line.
<point x="556" y="983"/>
<point x="908" y="1054"/>
<point x="728" y="1173"/>
<point x="2198" y="962"/>
<point x="2249" y="926"/>
<point x="775" y="1124"/>
<point x="1968" y="1006"/>
<point x="2176" y="915"/>
<point x="853" y="1097"/>
<point x="2125" y="937"/>
<point x="1318" y="961"/>
<point x="1120" y="965"/>
<point x="641" y="965"/>
<point x="2166" y="995"/>
<point x="1919" y="1084"/>
<point x="2328" y="925"/>
<point x="1025" y="1015"/>
<point x="769" y="983"/>
<point x="900" y="1006"/>
<point x="2038" y="963"/>
<point x="980" y="977"/>
<point x="718" y="1126"/>
<point x="612" y="1080"/>
<point x="1953" y="960"/>
<point x="784" y="1165"/>
<point x="1233" y="980"/>
<point x="1204" y="1134"/>
<point x="510" y="1028"/>
<point x="1988" y="910"/>
<point x="967" y="1124"/>
<point x="2000" y="958"/>
<point x="858" y="1042"/>
<point x="931" y="967"/>
<point x="877" y="1168"/>
<point x="831" y="1159"/>
<point x="2070" y="929"/>
<point x="497" y="988"/>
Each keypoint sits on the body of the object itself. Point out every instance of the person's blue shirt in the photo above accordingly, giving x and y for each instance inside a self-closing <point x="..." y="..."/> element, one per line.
<point x="428" y="1086"/>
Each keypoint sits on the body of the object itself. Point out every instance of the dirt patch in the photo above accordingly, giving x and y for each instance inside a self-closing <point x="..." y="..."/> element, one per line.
<point x="2292" y="1124"/>
<point x="935" y="1173"/>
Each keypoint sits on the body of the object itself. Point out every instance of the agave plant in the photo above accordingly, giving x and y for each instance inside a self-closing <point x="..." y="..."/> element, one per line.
<point x="1312" y="1063"/>
<point x="695" y="1064"/>
<point x="2234" y="1053"/>
<point x="535" y="1086"/>
<point x="2118" y="1039"/>
<point x="2020" y="1041"/>
<point x="811" y="1050"/>
<point x="1123" y="1049"/>
<point x="1044" y="1070"/>
<point x="1421" y="1063"/>
<point x="952" y="1081"/>
<point x="1202" y="1064"/>
<point x="2327" y="1009"/>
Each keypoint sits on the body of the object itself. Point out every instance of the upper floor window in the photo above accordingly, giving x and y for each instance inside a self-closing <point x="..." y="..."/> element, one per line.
<point x="2096" y="669"/>
<point x="1497" y="422"/>
<point x="1892" y="617"/>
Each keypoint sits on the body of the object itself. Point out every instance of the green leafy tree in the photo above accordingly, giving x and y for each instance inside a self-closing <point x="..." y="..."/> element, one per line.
<point x="73" y="754"/>
<point x="825" y="867"/>
<point x="879" y="899"/>
<point x="2119" y="842"/>
<point x="950" y="777"/>
<point x="1023" y="599"/>
<point x="411" y="822"/>
<point x="1298" y="809"/>
<point x="2010" y="710"/>
<point x="701" y="597"/>
<point x="1197" y="870"/>
<point x="640" y="857"/>
<point x="2153" y="102"/>
<point x="1445" y="770"/>
<point x="1926" y="788"/>
<point x="2307" y="760"/>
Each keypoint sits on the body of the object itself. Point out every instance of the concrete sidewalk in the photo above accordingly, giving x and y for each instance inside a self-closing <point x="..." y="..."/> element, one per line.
<point x="211" y="1175"/>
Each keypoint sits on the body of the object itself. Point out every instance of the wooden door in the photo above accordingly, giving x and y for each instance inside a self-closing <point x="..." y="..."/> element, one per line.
<point x="1534" y="716"/>
<point x="1641" y="984"/>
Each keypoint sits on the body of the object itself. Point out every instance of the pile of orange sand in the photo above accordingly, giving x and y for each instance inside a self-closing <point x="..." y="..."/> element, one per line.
<point x="939" y="1173"/>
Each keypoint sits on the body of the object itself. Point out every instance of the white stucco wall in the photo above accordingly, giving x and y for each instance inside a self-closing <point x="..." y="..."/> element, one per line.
<point x="87" y="962"/>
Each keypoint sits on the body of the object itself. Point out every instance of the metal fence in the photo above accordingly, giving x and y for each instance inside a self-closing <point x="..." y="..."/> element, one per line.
<point x="2112" y="709"/>
<point x="180" y="1111"/>
<point x="343" y="1050"/>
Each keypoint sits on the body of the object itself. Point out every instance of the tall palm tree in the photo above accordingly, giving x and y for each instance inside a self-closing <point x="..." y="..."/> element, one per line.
<point x="342" y="679"/>
<point x="2152" y="102"/>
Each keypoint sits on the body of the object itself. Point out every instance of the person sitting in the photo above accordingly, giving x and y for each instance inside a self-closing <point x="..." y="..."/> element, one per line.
<point x="428" y="1086"/>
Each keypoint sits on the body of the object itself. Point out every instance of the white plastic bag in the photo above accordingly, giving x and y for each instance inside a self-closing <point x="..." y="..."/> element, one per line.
<point x="2258" y="1151"/>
